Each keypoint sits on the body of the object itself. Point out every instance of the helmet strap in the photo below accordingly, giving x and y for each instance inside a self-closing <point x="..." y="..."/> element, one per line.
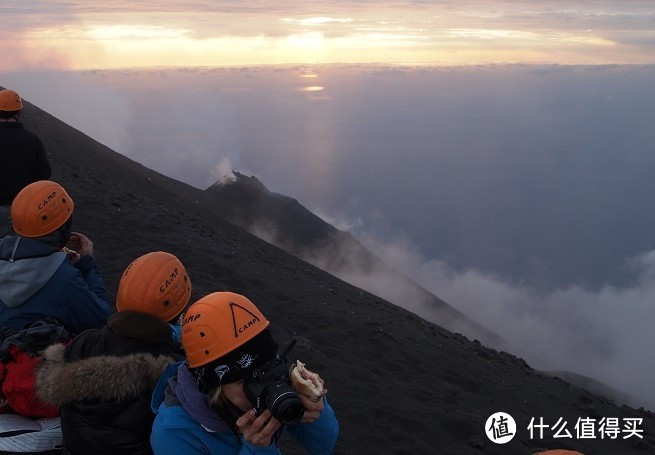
<point x="65" y="232"/>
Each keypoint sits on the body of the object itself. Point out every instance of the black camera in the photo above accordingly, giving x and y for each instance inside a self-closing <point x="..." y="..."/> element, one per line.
<point x="269" y="387"/>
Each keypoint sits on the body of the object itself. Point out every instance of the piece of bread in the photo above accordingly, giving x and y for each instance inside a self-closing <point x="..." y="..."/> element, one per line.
<point x="306" y="382"/>
<point x="72" y="254"/>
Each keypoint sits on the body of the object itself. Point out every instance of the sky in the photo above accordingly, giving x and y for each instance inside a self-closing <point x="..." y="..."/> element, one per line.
<point x="89" y="34"/>
<point x="497" y="152"/>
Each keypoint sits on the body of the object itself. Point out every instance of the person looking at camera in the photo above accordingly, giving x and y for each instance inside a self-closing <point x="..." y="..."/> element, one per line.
<point x="232" y="395"/>
<point x="46" y="270"/>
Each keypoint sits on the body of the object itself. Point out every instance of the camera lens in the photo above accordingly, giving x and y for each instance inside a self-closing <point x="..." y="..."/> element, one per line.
<point x="286" y="407"/>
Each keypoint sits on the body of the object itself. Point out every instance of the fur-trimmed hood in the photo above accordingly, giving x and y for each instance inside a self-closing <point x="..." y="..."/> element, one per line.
<point x="102" y="378"/>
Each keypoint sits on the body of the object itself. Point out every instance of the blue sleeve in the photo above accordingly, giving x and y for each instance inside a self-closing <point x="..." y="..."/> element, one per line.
<point x="92" y="306"/>
<point x="247" y="449"/>
<point x="174" y="441"/>
<point x="91" y="275"/>
<point x="320" y="436"/>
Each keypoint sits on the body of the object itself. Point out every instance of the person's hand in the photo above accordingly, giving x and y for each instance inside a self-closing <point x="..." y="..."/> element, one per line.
<point x="80" y="243"/>
<point x="313" y="409"/>
<point x="258" y="431"/>
<point x="73" y="256"/>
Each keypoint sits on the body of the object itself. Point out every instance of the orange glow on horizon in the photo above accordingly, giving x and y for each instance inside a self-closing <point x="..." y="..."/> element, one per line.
<point x="429" y="34"/>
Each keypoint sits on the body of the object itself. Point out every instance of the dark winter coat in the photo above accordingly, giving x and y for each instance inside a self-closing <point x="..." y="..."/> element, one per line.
<point x="103" y="382"/>
<point x="23" y="160"/>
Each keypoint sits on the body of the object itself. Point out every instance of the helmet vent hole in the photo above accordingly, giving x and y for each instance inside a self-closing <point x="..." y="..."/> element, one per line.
<point x="167" y="302"/>
<point x="207" y="351"/>
<point x="202" y="334"/>
<point x="63" y="199"/>
<point x="185" y="278"/>
<point x="44" y="217"/>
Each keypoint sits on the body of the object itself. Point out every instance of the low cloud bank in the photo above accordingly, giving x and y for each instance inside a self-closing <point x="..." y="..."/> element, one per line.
<point x="604" y="334"/>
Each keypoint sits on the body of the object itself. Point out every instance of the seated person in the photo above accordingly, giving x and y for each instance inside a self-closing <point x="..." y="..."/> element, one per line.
<point x="203" y="405"/>
<point x="38" y="279"/>
<point x="103" y="381"/>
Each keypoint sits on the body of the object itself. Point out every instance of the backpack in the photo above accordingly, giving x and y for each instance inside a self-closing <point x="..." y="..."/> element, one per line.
<point x="20" y="354"/>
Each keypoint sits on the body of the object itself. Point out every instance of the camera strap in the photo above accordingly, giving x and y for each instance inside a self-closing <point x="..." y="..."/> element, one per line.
<point x="283" y="355"/>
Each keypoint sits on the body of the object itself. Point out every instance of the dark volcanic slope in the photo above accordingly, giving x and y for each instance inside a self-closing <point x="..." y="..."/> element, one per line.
<point x="284" y="222"/>
<point x="399" y="384"/>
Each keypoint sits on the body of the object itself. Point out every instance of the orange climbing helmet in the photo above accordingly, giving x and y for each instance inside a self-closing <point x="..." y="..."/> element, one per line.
<point x="40" y="208"/>
<point x="219" y="324"/>
<point x="155" y="283"/>
<point x="10" y="101"/>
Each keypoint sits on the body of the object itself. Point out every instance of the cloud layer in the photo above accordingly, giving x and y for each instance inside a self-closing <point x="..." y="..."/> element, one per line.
<point x="603" y="334"/>
<point x="91" y="34"/>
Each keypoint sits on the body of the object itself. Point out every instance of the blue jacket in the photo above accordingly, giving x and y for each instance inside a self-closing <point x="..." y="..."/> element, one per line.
<point x="175" y="431"/>
<point x="37" y="281"/>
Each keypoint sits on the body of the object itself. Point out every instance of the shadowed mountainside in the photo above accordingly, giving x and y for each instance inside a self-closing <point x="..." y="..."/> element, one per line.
<point x="398" y="383"/>
<point x="284" y="222"/>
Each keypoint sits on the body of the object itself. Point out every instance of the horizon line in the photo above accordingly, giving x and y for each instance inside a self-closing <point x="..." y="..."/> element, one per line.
<point x="334" y="64"/>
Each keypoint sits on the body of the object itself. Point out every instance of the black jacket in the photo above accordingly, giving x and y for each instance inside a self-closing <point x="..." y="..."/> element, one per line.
<point x="103" y="382"/>
<point x="22" y="160"/>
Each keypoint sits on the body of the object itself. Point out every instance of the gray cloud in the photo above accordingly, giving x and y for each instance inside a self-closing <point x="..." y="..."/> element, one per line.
<point x="597" y="333"/>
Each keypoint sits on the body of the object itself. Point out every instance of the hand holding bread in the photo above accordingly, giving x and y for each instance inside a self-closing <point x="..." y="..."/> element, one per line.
<point x="306" y="383"/>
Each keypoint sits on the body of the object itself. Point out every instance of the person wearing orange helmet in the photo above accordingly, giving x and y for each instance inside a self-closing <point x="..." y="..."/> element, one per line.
<point x="39" y="278"/>
<point x="233" y="395"/>
<point x="24" y="159"/>
<point x="104" y="379"/>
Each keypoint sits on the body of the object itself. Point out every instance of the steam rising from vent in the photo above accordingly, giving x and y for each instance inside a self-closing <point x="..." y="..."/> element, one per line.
<point x="222" y="172"/>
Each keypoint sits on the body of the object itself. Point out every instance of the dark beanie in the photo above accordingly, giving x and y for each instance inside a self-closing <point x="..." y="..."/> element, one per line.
<point x="237" y="364"/>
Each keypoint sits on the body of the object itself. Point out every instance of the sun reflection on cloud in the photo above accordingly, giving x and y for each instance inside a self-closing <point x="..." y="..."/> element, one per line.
<point x="309" y="75"/>
<point x="312" y="88"/>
